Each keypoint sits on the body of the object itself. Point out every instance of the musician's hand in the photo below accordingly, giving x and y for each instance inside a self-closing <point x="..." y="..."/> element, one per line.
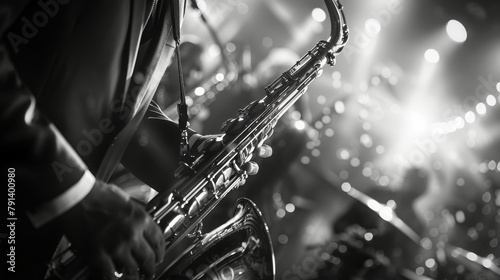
<point x="201" y="144"/>
<point x="113" y="233"/>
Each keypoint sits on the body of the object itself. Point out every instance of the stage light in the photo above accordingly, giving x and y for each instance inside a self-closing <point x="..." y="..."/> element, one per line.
<point x="375" y="80"/>
<point x="346" y="187"/>
<point x="431" y="55"/>
<point x="339" y="107"/>
<point x="393" y="80"/>
<point x="329" y="132"/>
<point x="336" y="75"/>
<point x="367" y="171"/>
<point x="420" y="271"/>
<point x="460" y="216"/>
<point x="368" y="236"/>
<point x="366" y="140"/>
<point x="380" y="149"/>
<point x="367" y="126"/>
<point x="417" y="122"/>
<point x="491" y="100"/>
<point x="373" y="26"/>
<point x="470" y="117"/>
<point x="481" y="108"/>
<point x="296" y="115"/>
<point x="199" y="91"/>
<point x="459" y="122"/>
<point x="300" y="125"/>
<point x="318" y="15"/>
<point x="280" y="213"/>
<point x="355" y="162"/>
<point x="315" y="153"/>
<point x="321" y="99"/>
<point x="456" y="31"/>
<point x="242" y="8"/>
<point x="230" y="47"/>
<point x="343" y="154"/>
<point x="384" y="181"/>
<point x="386" y="72"/>
<point x="471" y="256"/>
<point x="487" y="263"/>
<point x="267" y="42"/>
<point x="290" y="208"/>
<point x="374" y="205"/>
<point x="430" y="263"/>
<point x="219" y="77"/>
<point x="336" y="84"/>
<point x="189" y="101"/>
<point x="347" y="88"/>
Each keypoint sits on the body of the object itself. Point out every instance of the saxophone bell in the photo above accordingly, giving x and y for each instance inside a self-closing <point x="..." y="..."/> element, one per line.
<point x="238" y="249"/>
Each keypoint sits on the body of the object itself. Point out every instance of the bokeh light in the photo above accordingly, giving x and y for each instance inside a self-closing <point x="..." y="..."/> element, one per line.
<point x="456" y="31"/>
<point x="403" y="95"/>
<point x="373" y="26"/>
<point x="318" y="14"/>
<point x="431" y="56"/>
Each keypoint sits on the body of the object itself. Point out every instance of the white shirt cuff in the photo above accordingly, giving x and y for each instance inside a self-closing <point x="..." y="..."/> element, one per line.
<point x="63" y="202"/>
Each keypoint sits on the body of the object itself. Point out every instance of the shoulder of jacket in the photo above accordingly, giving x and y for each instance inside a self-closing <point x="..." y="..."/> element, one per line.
<point x="9" y="11"/>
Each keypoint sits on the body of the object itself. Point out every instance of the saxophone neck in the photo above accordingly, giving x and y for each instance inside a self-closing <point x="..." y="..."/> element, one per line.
<point x="339" y="32"/>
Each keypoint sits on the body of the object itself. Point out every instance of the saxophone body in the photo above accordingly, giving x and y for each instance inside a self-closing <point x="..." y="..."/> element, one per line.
<point x="240" y="248"/>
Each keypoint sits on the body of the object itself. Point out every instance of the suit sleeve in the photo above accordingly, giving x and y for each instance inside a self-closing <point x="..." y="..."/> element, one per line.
<point x="47" y="169"/>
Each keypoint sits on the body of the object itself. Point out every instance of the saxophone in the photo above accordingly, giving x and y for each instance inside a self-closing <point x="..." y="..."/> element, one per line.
<point x="241" y="247"/>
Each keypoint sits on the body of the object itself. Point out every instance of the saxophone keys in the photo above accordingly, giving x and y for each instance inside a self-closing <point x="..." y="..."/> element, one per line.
<point x="331" y="59"/>
<point x="173" y="226"/>
<point x="198" y="203"/>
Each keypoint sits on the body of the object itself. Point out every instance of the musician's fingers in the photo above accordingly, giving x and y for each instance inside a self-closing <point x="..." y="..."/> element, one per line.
<point x="251" y="168"/>
<point x="154" y="237"/>
<point x="206" y="143"/>
<point x="265" y="151"/>
<point x="267" y="134"/>
<point x="270" y="133"/>
<point x="145" y="257"/>
<point x="125" y="263"/>
<point x="217" y="143"/>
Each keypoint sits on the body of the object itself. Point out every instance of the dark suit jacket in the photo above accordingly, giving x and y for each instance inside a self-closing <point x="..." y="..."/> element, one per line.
<point x="73" y="74"/>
